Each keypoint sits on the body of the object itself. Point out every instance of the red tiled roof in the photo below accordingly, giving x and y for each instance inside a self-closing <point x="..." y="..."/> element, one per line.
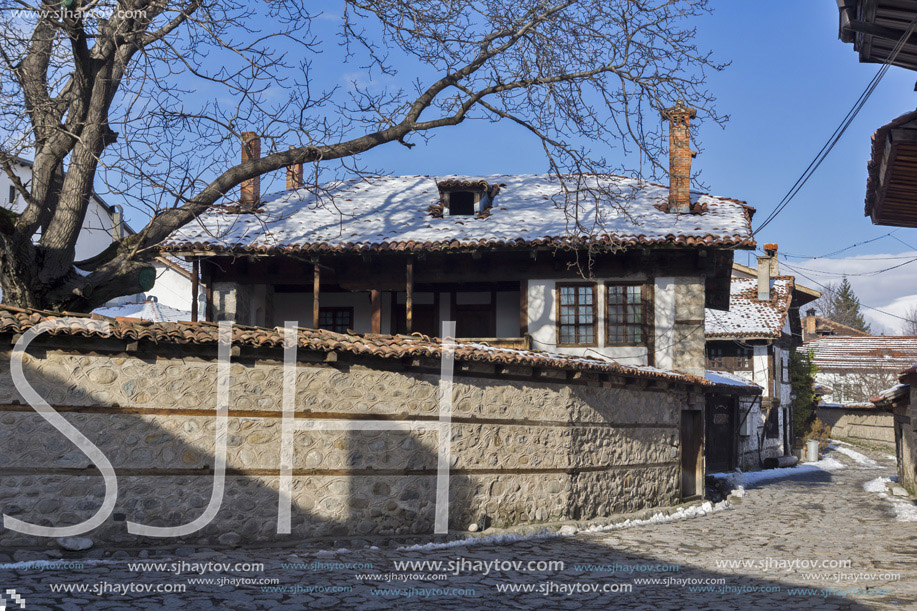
<point x="16" y="320"/>
<point x="841" y="353"/>
<point x="747" y="315"/>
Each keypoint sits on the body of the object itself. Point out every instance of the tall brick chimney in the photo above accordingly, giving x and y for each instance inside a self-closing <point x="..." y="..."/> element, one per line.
<point x="767" y="269"/>
<point x="680" y="155"/>
<point x="251" y="188"/>
<point x="294" y="176"/>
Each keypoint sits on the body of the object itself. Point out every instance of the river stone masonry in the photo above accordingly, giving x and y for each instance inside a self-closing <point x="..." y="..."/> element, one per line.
<point x="524" y="448"/>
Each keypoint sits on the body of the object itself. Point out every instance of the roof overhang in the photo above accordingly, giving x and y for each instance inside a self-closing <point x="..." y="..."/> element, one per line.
<point x="875" y="27"/>
<point x="891" y="187"/>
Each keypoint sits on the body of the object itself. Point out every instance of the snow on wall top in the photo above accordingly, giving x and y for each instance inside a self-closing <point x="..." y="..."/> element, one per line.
<point x="747" y="315"/>
<point x="392" y="213"/>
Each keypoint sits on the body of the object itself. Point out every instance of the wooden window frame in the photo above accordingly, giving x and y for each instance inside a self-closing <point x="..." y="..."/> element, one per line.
<point x="334" y="310"/>
<point x="730" y="362"/>
<point x="595" y="314"/>
<point x="646" y="324"/>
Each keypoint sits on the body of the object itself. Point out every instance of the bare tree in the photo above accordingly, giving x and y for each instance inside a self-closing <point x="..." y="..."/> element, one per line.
<point x="151" y="97"/>
<point x="909" y="326"/>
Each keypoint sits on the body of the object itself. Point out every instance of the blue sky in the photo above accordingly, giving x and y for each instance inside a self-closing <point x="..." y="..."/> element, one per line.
<point x="790" y="83"/>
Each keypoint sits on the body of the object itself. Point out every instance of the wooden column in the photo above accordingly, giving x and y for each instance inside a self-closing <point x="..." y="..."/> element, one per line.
<point x="207" y="273"/>
<point x="195" y="287"/>
<point x="409" y="297"/>
<point x="316" y="284"/>
<point x="523" y="308"/>
<point x="375" y="300"/>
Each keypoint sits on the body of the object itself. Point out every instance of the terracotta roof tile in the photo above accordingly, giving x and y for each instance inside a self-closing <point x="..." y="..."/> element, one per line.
<point x="15" y="320"/>
<point x="747" y="315"/>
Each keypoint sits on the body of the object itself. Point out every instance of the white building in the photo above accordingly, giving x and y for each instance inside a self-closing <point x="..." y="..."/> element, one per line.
<point x="753" y="340"/>
<point x="172" y="290"/>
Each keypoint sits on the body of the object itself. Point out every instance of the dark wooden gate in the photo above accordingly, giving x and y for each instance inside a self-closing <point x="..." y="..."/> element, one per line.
<point x="719" y="445"/>
<point x="692" y="435"/>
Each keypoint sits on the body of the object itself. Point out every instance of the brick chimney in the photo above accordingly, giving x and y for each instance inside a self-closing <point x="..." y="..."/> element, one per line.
<point x="680" y="155"/>
<point x="294" y="176"/>
<point x="767" y="269"/>
<point x="809" y="325"/>
<point x="251" y="188"/>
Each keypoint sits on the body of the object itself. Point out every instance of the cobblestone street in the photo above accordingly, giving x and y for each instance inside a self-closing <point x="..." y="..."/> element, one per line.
<point x="820" y="531"/>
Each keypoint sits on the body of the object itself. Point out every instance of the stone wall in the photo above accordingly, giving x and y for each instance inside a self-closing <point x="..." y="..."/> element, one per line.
<point x="524" y="448"/>
<point x="860" y="424"/>
<point x="905" y="415"/>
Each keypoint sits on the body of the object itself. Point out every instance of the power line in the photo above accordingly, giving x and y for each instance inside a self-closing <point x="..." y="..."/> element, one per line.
<point x="839" y="132"/>
<point x="868" y="307"/>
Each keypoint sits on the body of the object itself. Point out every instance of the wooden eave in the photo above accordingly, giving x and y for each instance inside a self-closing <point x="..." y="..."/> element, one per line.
<point x="875" y="27"/>
<point x="895" y="197"/>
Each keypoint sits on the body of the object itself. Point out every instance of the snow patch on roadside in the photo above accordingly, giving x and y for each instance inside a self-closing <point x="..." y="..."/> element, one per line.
<point x="905" y="511"/>
<point x="739" y="480"/>
<point x="682" y="513"/>
<point x="860" y="459"/>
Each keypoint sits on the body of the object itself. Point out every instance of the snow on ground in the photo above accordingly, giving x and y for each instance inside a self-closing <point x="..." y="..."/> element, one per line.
<point x="860" y="459"/>
<point x="905" y="511"/>
<point x="682" y="513"/>
<point x="740" y="480"/>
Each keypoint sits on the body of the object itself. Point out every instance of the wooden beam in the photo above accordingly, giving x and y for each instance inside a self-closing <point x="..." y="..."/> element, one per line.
<point x="409" y="298"/>
<point x="316" y="285"/>
<point x="195" y="288"/>
<point x="375" y="299"/>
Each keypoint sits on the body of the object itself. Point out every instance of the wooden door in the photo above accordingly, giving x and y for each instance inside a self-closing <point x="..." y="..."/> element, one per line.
<point x="692" y="435"/>
<point x="720" y="435"/>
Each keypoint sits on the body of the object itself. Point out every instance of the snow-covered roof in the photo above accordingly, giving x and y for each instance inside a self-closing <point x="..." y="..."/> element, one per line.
<point x="394" y="213"/>
<point x="147" y="310"/>
<point x="837" y="353"/>
<point x="748" y="316"/>
<point x="726" y="378"/>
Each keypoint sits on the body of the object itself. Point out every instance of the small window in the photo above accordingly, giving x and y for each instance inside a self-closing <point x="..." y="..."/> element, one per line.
<point x="625" y="315"/>
<point x="338" y="320"/>
<point x="13" y="194"/>
<point x="576" y="315"/>
<point x="461" y="203"/>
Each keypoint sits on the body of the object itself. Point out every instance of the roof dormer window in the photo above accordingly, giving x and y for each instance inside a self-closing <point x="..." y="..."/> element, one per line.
<point x="461" y="203"/>
<point x="465" y="197"/>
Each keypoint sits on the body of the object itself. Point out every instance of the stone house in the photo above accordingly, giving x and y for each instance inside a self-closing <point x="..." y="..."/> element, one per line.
<point x="534" y="437"/>
<point x="584" y="265"/>
<point x="753" y="341"/>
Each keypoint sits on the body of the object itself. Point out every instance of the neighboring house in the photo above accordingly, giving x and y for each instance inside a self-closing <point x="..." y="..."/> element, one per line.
<point x="857" y="369"/>
<point x="172" y="292"/>
<point x="98" y="227"/>
<point x="815" y="326"/>
<point x="150" y="310"/>
<point x="102" y="225"/>
<point x="507" y="257"/>
<point x="753" y="341"/>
